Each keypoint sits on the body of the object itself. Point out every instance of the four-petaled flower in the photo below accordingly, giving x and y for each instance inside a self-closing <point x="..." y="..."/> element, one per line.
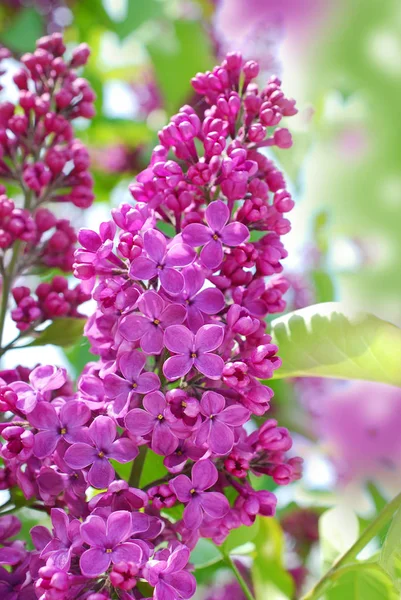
<point x="53" y="426"/>
<point x="198" y="301"/>
<point x="167" y="574"/>
<point x="217" y="430"/>
<point x="198" y="501"/>
<point x="108" y="543"/>
<point x="193" y="350"/>
<point x="66" y="538"/>
<point x="149" y="327"/>
<point x="43" y="379"/>
<point x="133" y="381"/>
<point x="155" y="419"/>
<point x="104" y="446"/>
<point x="160" y="261"/>
<point x="217" y="233"/>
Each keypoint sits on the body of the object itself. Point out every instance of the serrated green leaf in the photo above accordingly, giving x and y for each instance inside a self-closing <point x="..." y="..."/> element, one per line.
<point x="61" y="332"/>
<point x="366" y="581"/>
<point x="327" y="340"/>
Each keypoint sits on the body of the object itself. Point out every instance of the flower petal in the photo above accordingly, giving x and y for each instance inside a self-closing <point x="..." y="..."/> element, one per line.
<point x="217" y="215"/>
<point x="116" y="386"/>
<point x="123" y="450"/>
<point x="152" y="340"/>
<point x="196" y="234"/>
<point x="44" y="416"/>
<point x="139" y="422"/>
<point x="178" y="366"/>
<point x="235" y="234"/>
<point x="180" y="255"/>
<point x="131" y="364"/>
<point x="182" y="486"/>
<point x="155" y="403"/>
<point x="74" y="414"/>
<point x="212" y="254"/>
<point x="94" y="562"/>
<point x="101" y="473"/>
<point x="151" y="304"/>
<point x="103" y="432"/>
<point x="118" y="528"/>
<point x="127" y="552"/>
<point x="215" y="504"/>
<point x="183" y="582"/>
<point x="193" y="514"/>
<point x="179" y="339"/>
<point x="204" y="474"/>
<point x="171" y="280"/>
<point x="221" y="439"/>
<point x="164" y="441"/>
<point x="45" y="443"/>
<point x="155" y="244"/>
<point x="147" y="382"/>
<point x="93" y="531"/>
<point x="142" y="268"/>
<point x="210" y="365"/>
<point x="173" y="314"/>
<point x="210" y="301"/>
<point x="212" y="403"/>
<point x="80" y="455"/>
<point x="208" y="338"/>
<point x="234" y="415"/>
<point x="133" y="327"/>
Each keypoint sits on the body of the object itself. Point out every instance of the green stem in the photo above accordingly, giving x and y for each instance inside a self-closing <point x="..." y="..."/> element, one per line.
<point x="137" y="467"/>
<point x="231" y="564"/>
<point x="370" y="532"/>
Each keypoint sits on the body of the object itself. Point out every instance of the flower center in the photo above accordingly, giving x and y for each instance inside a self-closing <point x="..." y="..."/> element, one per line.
<point x="156" y="322"/>
<point x="134" y="385"/>
<point x="63" y="431"/>
<point x="183" y="404"/>
<point x="193" y="354"/>
<point x="193" y="491"/>
<point x="215" y="236"/>
<point x="160" y="417"/>
<point x="101" y="454"/>
<point x="109" y="550"/>
<point x="160" y="267"/>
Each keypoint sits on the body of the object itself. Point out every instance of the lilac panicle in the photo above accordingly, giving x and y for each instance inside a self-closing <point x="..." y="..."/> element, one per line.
<point x="182" y="281"/>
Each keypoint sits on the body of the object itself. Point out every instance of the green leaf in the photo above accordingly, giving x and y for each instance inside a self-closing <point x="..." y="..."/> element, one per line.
<point x="61" y="332"/>
<point x="138" y="13"/>
<point x="338" y="530"/>
<point x="327" y="340"/>
<point x="153" y="469"/>
<point x="79" y="355"/>
<point x="366" y="581"/>
<point x="205" y="554"/>
<point x="390" y="558"/>
<point x="176" y="56"/>
<point x="240" y="537"/>
<point x="24" y="30"/>
<point x="271" y="581"/>
<point x="324" y="286"/>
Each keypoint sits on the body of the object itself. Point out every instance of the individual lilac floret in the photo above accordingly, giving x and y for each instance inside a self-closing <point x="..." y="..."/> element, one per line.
<point x="192" y="493"/>
<point x="12" y="552"/>
<point x="43" y="379"/>
<point x="160" y="261"/>
<point x="102" y="433"/>
<point x="217" y="430"/>
<point x="133" y="381"/>
<point x="209" y="301"/>
<point x="67" y="424"/>
<point x="193" y="351"/>
<point x="167" y="574"/>
<point x="149" y="327"/>
<point x="155" y="419"/>
<point x="66" y="539"/>
<point x="217" y="233"/>
<point x="108" y="543"/>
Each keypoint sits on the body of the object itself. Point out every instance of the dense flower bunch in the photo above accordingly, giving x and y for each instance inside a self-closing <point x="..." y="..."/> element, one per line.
<point x="179" y="328"/>
<point x="40" y="157"/>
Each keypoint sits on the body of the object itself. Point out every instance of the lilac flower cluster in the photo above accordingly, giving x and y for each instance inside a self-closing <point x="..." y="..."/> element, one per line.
<point x="40" y="157"/>
<point x="180" y="332"/>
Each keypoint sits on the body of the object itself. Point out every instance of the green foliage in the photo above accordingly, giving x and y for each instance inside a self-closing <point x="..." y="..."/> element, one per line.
<point x="366" y="581"/>
<point x="205" y="554"/>
<point x="61" y="332"/>
<point x="138" y="13"/>
<point x="338" y="531"/>
<point x="390" y="558"/>
<point x="79" y="355"/>
<point x="153" y="468"/>
<point x="323" y="285"/>
<point x="176" y="56"/>
<point x="23" y="31"/>
<point x="238" y="540"/>
<point x="271" y="581"/>
<point x="325" y="340"/>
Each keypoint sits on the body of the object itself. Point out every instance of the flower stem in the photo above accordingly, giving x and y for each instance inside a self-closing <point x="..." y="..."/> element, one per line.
<point x="370" y="532"/>
<point x="231" y="564"/>
<point x="137" y="467"/>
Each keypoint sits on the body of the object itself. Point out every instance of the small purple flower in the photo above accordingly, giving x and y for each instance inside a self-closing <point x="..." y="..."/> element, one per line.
<point x="120" y="496"/>
<point x="217" y="430"/>
<point x="102" y="433"/>
<point x="209" y="301"/>
<point x="192" y="493"/>
<point x="66" y="539"/>
<point x="13" y="552"/>
<point x="217" y="233"/>
<point x="133" y="381"/>
<point x="43" y="379"/>
<point x="193" y="350"/>
<point x="108" y="543"/>
<point x="155" y="419"/>
<point x="167" y="574"/>
<point x="160" y="261"/>
<point x="149" y="327"/>
<point x="53" y="426"/>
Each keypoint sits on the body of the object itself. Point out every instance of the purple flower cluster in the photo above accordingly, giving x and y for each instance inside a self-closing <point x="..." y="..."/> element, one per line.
<point x="179" y="280"/>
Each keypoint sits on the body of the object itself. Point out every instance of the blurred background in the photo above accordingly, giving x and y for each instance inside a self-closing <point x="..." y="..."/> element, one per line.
<point x="342" y="62"/>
